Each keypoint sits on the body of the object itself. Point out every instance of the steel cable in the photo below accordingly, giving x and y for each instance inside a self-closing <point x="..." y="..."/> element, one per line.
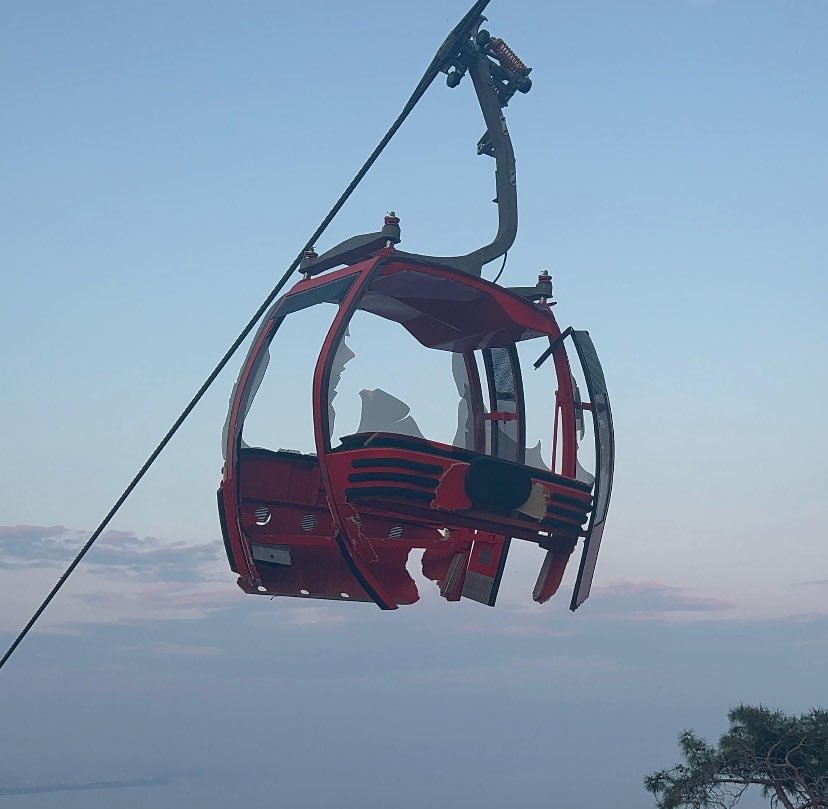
<point x="446" y="50"/>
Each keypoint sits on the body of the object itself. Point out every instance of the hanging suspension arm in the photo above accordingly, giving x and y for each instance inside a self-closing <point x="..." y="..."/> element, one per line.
<point x="497" y="73"/>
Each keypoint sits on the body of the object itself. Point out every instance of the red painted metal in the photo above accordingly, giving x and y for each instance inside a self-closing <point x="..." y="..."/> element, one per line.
<point x="350" y="515"/>
<point x="475" y="401"/>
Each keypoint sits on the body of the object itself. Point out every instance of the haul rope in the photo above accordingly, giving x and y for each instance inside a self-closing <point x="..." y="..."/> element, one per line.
<point x="446" y="50"/>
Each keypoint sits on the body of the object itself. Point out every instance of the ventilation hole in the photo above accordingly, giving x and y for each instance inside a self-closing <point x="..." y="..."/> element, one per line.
<point x="344" y="595"/>
<point x="305" y="592"/>
<point x="262" y="515"/>
<point x="396" y="532"/>
<point x="309" y="522"/>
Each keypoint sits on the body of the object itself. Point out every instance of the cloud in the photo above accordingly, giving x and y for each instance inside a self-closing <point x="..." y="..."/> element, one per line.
<point x="24" y="546"/>
<point x="35" y="545"/>
<point x="150" y="599"/>
<point x="307" y="614"/>
<point x="654" y="601"/>
<point x="128" y="578"/>
<point x="523" y="630"/>
<point x="123" y="578"/>
<point x="619" y="601"/>
<point x="29" y="531"/>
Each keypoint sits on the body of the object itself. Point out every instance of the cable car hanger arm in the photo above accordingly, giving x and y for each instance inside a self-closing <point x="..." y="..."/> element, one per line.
<point x="496" y="74"/>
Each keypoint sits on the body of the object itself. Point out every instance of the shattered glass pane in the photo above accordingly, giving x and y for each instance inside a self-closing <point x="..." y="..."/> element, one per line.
<point x="605" y="459"/>
<point x="384" y="380"/>
<point x="384" y="413"/>
<point x="534" y="457"/>
<point x="503" y="374"/>
<point x="583" y="475"/>
<point x="256" y="381"/>
<point x="579" y="413"/>
<point x="539" y="387"/>
<point x="279" y="396"/>
<point x="342" y="357"/>
<point x="464" y="437"/>
<point x="502" y="378"/>
<point x="606" y="450"/>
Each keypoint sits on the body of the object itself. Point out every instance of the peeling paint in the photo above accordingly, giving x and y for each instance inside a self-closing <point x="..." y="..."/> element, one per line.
<point x="450" y="494"/>
<point x="362" y="539"/>
<point x="537" y="503"/>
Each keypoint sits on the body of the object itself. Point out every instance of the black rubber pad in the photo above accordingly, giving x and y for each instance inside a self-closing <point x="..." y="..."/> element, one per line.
<point x="498" y="485"/>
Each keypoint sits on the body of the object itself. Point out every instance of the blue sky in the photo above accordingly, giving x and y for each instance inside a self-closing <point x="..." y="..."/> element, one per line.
<point x="162" y="163"/>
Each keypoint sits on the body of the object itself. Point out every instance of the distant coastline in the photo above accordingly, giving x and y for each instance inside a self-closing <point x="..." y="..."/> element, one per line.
<point x="126" y="783"/>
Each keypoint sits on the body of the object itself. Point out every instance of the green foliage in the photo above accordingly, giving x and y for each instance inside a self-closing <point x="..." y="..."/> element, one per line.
<point x="786" y="757"/>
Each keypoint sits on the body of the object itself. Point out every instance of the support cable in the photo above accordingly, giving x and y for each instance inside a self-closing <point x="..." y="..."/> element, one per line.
<point x="446" y="50"/>
<point x="502" y="267"/>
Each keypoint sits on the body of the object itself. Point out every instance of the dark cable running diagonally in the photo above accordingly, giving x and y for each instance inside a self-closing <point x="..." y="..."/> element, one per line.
<point x="433" y="69"/>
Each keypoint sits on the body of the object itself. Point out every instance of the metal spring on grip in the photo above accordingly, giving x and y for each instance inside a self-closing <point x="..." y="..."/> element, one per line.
<point x="508" y="58"/>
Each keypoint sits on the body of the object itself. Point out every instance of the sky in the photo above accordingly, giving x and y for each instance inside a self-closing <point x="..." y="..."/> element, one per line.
<point x="160" y="166"/>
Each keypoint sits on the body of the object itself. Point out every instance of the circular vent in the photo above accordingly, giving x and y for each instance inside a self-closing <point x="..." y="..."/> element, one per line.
<point x="396" y="532"/>
<point x="309" y="522"/>
<point x="262" y="515"/>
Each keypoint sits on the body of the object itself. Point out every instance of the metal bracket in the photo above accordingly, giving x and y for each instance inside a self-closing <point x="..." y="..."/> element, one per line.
<point x="542" y="291"/>
<point x="496" y="74"/>
<point x="353" y="250"/>
<point x="552" y="347"/>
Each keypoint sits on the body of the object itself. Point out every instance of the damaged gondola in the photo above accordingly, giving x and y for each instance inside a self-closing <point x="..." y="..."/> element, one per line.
<point x="339" y="520"/>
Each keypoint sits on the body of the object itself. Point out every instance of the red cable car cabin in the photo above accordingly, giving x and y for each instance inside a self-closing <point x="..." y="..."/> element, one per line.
<point x="340" y="523"/>
<point x="339" y="520"/>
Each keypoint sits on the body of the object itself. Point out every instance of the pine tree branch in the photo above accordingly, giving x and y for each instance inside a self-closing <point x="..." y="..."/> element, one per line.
<point x="783" y="797"/>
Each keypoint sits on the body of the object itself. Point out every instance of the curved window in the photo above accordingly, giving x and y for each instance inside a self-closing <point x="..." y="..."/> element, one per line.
<point x="467" y="393"/>
<point x="278" y="402"/>
<point x="384" y="381"/>
<point x="386" y="377"/>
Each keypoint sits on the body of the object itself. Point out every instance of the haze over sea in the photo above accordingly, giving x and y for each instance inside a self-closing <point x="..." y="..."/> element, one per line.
<point x="163" y="163"/>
